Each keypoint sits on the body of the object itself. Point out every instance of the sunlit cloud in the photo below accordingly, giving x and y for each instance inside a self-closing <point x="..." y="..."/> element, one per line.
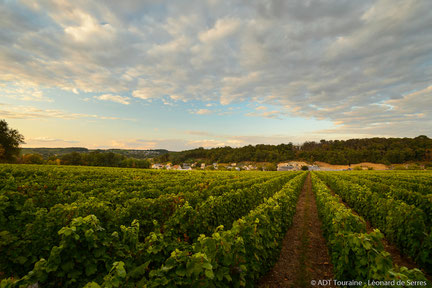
<point x="49" y="140"/>
<point x="24" y="92"/>
<point x="114" y="98"/>
<point x="365" y="66"/>
<point x="261" y="112"/>
<point x="202" y="111"/>
<point x="29" y="112"/>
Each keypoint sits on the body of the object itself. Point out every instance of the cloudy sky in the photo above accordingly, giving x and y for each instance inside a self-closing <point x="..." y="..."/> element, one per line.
<point x="183" y="74"/>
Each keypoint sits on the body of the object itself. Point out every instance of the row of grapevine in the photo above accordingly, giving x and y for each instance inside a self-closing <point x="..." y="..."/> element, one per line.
<point x="403" y="224"/>
<point x="86" y="249"/>
<point x="29" y="231"/>
<point x="48" y="186"/>
<point x="355" y="254"/>
<point x="410" y="180"/>
<point x="238" y="256"/>
<point x="392" y="189"/>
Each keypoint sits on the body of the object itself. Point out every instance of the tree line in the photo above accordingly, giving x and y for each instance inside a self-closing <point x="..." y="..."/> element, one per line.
<point x="342" y="152"/>
<point x="338" y="152"/>
<point x="130" y="153"/>
<point x="95" y="158"/>
<point x="11" y="139"/>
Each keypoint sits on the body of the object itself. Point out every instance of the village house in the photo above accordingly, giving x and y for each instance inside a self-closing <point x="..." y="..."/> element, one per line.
<point x="157" y="166"/>
<point x="295" y="166"/>
<point x="314" y="168"/>
<point x="285" y="167"/>
<point x="186" y="167"/>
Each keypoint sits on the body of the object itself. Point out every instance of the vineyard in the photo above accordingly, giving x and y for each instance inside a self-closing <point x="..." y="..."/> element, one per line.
<point x="114" y="227"/>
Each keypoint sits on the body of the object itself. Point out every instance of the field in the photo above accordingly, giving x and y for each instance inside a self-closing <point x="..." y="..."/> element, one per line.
<point x="112" y="227"/>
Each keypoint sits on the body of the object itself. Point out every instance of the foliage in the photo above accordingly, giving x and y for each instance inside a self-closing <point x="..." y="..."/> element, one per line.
<point x="394" y="186"/>
<point x="10" y="139"/>
<point x="32" y="159"/>
<point x="65" y="226"/>
<point x="403" y="224"/>
<point x="107" y="159"/>
<point x="235" y="257"/>
<point x="355" y="254"/>
<point x="92" y="208"/>
<point x="58" y="152"/>
<point x="85" y="157"/>
<point x="37" y="201"/>
<point x="344" y="152"/>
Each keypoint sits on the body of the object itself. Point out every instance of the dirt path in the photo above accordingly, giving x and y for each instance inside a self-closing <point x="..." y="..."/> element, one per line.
<point x="304" y="256"/>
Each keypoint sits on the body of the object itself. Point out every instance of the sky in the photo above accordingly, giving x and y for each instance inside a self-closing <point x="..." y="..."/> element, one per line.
<point x="147" y="74"/>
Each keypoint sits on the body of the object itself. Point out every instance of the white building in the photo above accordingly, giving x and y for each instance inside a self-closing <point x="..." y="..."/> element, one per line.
<point x="186" y="167"/>
<point x="285" y="168"/>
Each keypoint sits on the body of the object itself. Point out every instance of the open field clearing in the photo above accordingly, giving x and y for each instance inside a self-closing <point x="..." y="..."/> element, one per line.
<point x="112" y="227"/>
<point x="365" y="165"/>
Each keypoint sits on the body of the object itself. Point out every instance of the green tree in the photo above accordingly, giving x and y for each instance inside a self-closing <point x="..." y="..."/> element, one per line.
<point x="73" y="158"/>
<point x="32" y="159"/>
<point x="10" y="139"/>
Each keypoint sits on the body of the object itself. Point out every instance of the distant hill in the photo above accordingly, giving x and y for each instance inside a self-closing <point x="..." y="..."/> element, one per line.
<point x="336" y="152"/>
<point x="130" y="153"/>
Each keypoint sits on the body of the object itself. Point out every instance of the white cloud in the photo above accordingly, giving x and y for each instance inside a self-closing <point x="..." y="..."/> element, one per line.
<point x="221" y="30"/>
<point x="114" y="98"/>
<point x="198" y="133"/>
<point x="24" y="91"/>
<point x="207" y="139"/>
<point x="155" y="89"/>
<point x="418" y="102"/>
<point x="169" y="48"/>
<point x="202" y="112"/>
<point x="143" y="93"/>
<point x="49" y="140"/>
<point x="206" y="143"/>
<point x="316" y="61"/>
<point x="169" y="144"/>
<point x="89" y="29"/>
<point x="135" y="144"/>
<point x="29" y="112"/>
<point x="275" y="114"/>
